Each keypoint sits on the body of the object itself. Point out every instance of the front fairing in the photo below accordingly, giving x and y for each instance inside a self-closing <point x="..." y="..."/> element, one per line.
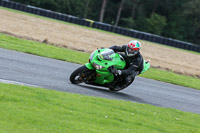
<point x="115" y="59"/>
<point x="103" y="75"/>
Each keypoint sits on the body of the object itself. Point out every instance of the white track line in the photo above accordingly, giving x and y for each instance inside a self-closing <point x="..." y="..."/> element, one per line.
<point x="17" y="83"/>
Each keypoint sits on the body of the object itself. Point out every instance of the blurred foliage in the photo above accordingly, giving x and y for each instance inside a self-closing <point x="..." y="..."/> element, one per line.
<point x="155" y="24"/>
<point x="128" y="22"/>
<point x="178" y="19"/>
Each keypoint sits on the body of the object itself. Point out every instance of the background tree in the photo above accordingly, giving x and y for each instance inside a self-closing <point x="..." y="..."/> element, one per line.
<point x="86" y="9"/>
<point x="134" y="5"/>
<point x="119" y="12"/>
<point x="192" y="15"/>
<point x="102" y="10"/>
<point x="155" y="24"/>
<point x="155" y="6"/>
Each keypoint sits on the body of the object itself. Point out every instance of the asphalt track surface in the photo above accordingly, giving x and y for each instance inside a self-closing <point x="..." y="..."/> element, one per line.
<point x="31" y="70"/>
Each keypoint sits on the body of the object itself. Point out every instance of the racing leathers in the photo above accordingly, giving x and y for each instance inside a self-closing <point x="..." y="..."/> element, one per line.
<point x="134" y="65"/>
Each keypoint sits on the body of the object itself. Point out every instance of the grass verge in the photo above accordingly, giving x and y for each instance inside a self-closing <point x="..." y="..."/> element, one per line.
<point x="64" y="54"/>
<point x="41" y="49"/>
<point x="28" y="109"/>
<point x="173" y="78"/>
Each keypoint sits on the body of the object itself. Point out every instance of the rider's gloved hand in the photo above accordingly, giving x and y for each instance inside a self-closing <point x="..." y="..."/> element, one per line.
<point x="119" y="72"/>
<point x="115" y="71"/>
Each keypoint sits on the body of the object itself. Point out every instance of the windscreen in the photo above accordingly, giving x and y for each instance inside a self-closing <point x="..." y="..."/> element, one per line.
<point x="106" y="55"/>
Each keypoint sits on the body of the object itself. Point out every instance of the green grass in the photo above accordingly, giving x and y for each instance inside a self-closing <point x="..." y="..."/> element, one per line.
<point x="173" y="78"/>
<point x="33" y="110"/>
<point x="37" y="16"/>
<point x="41" y="49"/>
<point x="64" y="54"/>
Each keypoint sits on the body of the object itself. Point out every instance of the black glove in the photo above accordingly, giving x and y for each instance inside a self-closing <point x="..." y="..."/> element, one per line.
<point x="113" y="70"/>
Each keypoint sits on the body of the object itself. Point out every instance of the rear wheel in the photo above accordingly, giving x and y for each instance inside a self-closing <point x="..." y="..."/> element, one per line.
<point x="122" y="83"/>
<point x="117" y="85"/>
<point x="79" y="75"/>
<point x="117" y="88"/>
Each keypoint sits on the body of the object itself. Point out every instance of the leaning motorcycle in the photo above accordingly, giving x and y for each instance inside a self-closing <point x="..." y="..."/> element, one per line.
<point x="97" y="71"/>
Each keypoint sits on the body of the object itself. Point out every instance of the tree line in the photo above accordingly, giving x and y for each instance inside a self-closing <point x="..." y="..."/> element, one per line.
<point x="177" y="19"/>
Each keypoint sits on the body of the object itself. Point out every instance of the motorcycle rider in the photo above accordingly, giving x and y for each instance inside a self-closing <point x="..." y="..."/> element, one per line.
<point x="134" y="63"/>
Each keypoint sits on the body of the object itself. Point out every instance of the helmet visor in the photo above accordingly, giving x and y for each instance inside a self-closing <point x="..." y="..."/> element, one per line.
<point x="132" y="51"/>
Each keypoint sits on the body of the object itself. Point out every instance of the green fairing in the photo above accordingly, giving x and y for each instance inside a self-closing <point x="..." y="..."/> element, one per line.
<point x="89" y="66"/>
<point x="101" y="59"/>
<point x="146" y="66"/>
<point x="105" y="58"/>
<point x="104" y="77"/>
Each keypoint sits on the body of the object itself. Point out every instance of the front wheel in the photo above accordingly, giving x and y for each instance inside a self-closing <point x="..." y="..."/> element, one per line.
<point x="78" y="76"/>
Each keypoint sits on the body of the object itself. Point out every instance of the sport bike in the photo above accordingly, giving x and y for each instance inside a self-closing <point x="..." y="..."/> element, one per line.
<point x="98" y="71"/>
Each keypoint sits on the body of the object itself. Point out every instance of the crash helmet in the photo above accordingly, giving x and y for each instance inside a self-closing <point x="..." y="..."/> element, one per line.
<point x="133" y="48"/>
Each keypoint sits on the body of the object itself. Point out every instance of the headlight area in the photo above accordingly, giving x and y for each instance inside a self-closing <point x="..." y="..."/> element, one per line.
<point x="97" y="66"/>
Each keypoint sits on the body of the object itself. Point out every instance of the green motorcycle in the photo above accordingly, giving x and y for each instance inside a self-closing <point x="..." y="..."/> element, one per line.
<point x="96" y="72"/>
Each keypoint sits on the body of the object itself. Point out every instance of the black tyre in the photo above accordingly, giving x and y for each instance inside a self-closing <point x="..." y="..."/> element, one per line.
<point x="78" y="76"/>
<point x="122" y="84"/>
<point x="115" y="88"/>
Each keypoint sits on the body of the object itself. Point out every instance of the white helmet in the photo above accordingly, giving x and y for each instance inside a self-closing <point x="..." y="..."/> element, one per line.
<point x="133" y="48"/>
